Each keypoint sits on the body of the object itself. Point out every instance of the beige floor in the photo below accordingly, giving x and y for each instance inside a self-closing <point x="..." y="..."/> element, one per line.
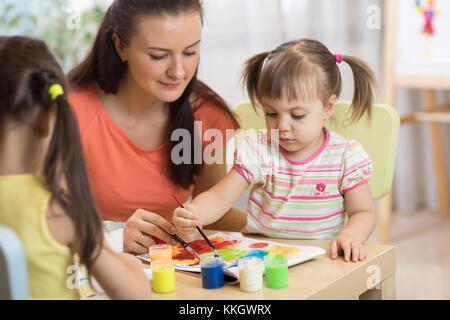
<point x="422" y="241"/>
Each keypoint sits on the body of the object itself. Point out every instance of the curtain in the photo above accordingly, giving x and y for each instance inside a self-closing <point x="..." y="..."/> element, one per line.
<point x="236" y="29"/>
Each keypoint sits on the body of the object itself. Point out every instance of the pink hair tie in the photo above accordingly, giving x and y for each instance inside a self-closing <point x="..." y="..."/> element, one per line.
<point x="338" y="58"/>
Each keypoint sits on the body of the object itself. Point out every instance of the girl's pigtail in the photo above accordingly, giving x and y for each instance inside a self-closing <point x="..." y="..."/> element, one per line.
<point x="68" y="181"/>
<point x="365" y="85"/>
<point x="252" y="71"/>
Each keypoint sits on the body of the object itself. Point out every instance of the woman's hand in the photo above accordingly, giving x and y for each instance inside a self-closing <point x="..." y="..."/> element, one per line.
<point x="186" y="219"/>
<point x="139" y="229"/>
<point x="351" y="248"/>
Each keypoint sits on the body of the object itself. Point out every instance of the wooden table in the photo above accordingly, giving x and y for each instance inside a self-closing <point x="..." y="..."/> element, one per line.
<point x="319" y="278"/>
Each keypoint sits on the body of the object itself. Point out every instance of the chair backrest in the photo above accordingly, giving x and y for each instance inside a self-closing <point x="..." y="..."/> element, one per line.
<point x="13" y="266"/>
<point x="378" y="138"/>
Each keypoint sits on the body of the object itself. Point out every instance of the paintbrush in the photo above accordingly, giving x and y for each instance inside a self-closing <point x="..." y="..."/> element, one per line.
<point x="199" y="230"/>
<point x="185" y="245"/>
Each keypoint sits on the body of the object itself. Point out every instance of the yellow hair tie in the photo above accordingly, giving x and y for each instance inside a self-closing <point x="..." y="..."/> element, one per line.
<point x="55" y="91"/>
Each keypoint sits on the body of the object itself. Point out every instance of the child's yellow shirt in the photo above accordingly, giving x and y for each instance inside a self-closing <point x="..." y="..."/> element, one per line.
<point x="24" y="200"/>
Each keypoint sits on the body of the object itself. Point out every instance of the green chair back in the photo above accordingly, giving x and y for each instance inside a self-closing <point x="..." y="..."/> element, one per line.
<point x="379" y="137"/>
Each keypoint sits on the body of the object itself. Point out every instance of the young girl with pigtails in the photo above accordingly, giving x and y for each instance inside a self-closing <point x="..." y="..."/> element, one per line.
<point x="45" y="195"/>
<point x="305" y="178"/>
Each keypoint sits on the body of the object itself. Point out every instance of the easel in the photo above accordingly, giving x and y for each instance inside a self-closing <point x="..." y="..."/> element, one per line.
<point x="432" y="113"/>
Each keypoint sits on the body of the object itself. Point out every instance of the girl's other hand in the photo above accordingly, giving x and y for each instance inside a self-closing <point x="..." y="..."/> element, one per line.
<point x="352" y="250"/>
<point x="186" y="219"/>
<point x="139" y="229"/>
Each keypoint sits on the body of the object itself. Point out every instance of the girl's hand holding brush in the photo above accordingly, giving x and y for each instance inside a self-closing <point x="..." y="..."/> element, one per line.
<point x="187" y="219"/>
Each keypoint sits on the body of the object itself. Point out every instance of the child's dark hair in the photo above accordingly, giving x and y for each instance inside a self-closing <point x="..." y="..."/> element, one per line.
<point x="306" y="68"/>
<point x="27" y="70"/>
<point x="104" y="67"/>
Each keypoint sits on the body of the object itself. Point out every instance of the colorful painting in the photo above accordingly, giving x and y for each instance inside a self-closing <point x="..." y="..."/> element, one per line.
<point x="429" y="13"/>
<point x="234" y="248"/>
<point x="422" y="37"/>
<point x="85" y="289"/>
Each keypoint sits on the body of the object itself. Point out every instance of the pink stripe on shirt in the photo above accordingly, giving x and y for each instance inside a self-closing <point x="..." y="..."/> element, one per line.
<point x="272" y="196"/>
<point x="311" y="182"/>
<point x="295" y="231"/>
<point x="296" y="218"/>
<point x="356" y="167"/>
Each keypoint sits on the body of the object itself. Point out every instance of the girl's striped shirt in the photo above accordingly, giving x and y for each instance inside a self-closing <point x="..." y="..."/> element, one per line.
<point x="303" y="200"/>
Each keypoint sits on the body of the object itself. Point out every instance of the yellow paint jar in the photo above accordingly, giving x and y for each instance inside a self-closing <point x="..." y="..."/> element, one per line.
<point x="163" y="276"/>
<point x="161" y="252"/>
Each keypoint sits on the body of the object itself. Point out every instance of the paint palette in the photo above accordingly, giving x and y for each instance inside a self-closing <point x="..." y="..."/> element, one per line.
<point x="234" y="248"/>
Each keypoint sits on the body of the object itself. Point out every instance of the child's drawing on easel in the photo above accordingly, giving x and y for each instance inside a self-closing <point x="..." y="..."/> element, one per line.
<point x="429" y="13"/>
<point x="422" y="37"/>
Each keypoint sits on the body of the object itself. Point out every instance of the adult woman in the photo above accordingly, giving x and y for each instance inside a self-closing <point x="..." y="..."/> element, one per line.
<point x="137" y="86"/>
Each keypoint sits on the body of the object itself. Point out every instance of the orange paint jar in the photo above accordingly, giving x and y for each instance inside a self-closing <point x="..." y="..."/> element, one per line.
<point x="162" y="252"/>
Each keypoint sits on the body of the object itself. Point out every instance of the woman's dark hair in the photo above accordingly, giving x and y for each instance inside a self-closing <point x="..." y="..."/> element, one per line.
<point x="27" y="70"/>
<point x="104" y="67"/>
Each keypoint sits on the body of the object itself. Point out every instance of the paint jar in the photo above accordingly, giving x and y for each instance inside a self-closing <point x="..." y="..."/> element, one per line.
<point x="163" y="276"/>
<point x="113" y="233"/>
<point x="251" y="274"/>
<point x="276" y="268"/>
<point x="160" y="252"/>
<point x="212" y="271"/>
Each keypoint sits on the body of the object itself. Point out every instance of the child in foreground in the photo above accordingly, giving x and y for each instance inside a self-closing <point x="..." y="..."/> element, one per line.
<point x="44" y="191"/>
<point x="305" y="178"/>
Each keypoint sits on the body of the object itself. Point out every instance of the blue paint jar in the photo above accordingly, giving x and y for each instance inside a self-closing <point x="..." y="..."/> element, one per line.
<point x="212" y="271"/>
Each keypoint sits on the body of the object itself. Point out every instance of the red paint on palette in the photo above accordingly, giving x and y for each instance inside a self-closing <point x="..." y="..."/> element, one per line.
<point x="184" y="255"/>
<point x="201" y="246"/>
<point x="258" y="245"/>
